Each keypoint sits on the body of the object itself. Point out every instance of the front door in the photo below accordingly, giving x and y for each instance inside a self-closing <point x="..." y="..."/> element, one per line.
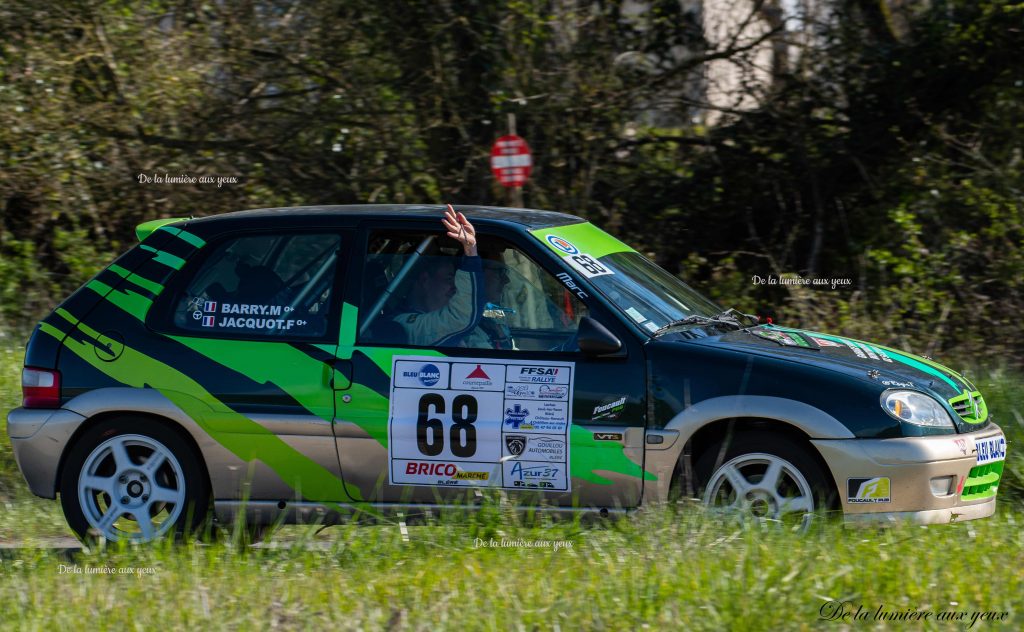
<point x="487" y="387"/>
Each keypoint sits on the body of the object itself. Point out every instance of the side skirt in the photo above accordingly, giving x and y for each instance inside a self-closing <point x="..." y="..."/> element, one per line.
<point x="263" y="512"/>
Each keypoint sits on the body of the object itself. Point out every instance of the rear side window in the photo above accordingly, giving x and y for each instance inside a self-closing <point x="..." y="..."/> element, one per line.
<point x="263" y="286"/>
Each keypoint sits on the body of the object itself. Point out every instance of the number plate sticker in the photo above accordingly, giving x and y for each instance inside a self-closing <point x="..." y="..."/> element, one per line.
<point x="991" y="449"/>
<point x="480" y="422"/>
<point x="587" y="265"/>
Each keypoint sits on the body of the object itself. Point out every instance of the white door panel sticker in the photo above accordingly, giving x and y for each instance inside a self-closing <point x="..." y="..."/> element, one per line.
<point x="480" y="422"/>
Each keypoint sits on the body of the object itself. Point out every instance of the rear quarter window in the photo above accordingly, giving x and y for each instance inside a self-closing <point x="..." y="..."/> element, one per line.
<point x="265" y="286"/>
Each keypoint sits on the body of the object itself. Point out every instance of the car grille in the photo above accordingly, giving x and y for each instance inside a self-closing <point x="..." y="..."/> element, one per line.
<point x="971" y="407"/>
<point x="982" y="481"/>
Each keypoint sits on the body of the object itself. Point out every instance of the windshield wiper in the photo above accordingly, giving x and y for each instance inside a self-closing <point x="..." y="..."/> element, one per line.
<point x="732" y="313"/>
<point x="728" y="317"/>
<point x="696" y="319"/>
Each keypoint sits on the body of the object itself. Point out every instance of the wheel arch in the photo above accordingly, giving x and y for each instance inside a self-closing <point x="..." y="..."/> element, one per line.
<point x="712" y="435"/>
<point x="93" y="421"/>
<point x="150" y="404"/>
<point x="704" y="422"/>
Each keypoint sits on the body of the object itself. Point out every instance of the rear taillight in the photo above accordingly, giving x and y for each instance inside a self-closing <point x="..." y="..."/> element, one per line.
<point x="40" y="388"/>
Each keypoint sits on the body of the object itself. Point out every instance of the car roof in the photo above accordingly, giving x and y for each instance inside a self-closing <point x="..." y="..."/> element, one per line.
<point x="349" y="215"/>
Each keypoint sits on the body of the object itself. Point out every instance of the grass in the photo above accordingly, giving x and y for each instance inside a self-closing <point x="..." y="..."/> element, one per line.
<point x="660" y="569"/>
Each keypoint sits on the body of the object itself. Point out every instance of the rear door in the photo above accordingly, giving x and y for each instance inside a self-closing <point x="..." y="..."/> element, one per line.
<point x="254" y="323"/>
<point x="511" y="404"/>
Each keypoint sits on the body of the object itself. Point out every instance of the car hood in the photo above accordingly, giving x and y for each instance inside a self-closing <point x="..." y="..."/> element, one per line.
<point x="889" y="368"/>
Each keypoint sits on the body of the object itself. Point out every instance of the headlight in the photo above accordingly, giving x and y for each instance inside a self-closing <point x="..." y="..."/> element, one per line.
<point x="916" y="408"/>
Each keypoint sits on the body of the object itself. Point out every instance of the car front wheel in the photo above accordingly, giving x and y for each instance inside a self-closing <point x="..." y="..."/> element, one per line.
<point x="765" y="477"/>
<point x="132" y="479"/>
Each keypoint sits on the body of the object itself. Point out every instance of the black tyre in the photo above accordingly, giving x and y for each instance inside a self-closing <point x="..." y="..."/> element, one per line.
<point x="135" y="479"/>
<point x="764" y="476"/>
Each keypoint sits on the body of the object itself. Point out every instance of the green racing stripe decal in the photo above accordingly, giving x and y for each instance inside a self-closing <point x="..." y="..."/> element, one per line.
<point x="910" y="360"/>
<point x="248" y="440"/>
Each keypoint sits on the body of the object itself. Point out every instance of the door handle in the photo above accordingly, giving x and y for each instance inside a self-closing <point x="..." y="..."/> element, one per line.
<point x="341" y="375"/>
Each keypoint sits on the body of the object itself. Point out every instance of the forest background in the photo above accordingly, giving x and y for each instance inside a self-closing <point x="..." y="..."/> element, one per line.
<point x="877" y="143"/>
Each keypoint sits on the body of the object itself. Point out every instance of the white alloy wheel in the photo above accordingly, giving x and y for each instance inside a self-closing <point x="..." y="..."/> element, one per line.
<point x="131" y="487"/>
<point x="763" y="486"/>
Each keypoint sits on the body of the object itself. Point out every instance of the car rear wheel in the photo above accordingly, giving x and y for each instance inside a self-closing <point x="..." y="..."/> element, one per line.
<point x="132" y="479"/>
<point x="763" y="477"/>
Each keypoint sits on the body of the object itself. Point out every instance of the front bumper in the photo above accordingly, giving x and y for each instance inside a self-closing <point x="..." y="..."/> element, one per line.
<point x="38" y="437"/>
<point x="923" y="480"/>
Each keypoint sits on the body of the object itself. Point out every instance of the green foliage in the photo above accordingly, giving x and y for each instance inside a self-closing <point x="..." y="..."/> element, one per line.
<point x="25" y="287"/>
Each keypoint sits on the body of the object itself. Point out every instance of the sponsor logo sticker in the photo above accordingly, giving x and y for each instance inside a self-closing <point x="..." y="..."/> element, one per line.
<point x="478" y="377"/>
<point x="429" y="375"/>
<point x="536" y="448"/>
<point x="515" y="444"/>
<point x="868" y="490"/>
<point x="535" y="475"/>
<point x="441" y="472"/>
<point x="563" y="245"/>
<point x="990" y="449"/>
<point x="519" y="390"/>
<point x="537" y="416"/>
<point x="821" y="342"/>
<point x="552" y="392"/>
<point x="516" y="415"/>
<point x="422" y="374"/>
<point x="784" y="338"/>
<point x="556" y="392"/>
<point x="897" y="383"/>
<point x="537" y="374"/>
<point x="610" y="410"/>
<point x="569" y="283"/>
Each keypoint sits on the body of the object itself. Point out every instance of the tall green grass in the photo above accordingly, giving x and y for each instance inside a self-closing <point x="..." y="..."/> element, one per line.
<point x="661" y="569"/>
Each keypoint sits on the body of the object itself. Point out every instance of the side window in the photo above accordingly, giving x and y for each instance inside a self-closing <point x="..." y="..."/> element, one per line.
<point x="418" y="290"/>
<point x="272" y="286"/>
<point x="539" y="312"/>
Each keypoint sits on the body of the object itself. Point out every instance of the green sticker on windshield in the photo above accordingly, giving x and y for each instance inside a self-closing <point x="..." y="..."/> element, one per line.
<point x="582" y="238"/>
<point x="581" y="245"/>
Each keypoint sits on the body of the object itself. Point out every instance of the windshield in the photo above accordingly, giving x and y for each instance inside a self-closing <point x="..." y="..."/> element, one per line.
<point x="648" y="294"/>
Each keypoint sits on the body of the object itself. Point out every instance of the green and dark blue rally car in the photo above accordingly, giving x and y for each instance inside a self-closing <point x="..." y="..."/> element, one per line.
<point x="306" y="363"/>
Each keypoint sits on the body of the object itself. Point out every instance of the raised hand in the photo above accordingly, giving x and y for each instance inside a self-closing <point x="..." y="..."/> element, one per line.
<point x="460" y="230"/>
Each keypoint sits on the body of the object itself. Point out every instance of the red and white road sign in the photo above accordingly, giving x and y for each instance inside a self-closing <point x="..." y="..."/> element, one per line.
<point x="511" y="161"/>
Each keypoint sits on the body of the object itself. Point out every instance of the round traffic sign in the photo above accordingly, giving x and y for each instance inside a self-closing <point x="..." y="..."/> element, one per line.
<point x="511" y="161"/>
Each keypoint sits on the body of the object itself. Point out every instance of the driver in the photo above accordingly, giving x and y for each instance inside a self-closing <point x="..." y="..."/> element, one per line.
<point x="447" y="301"/>
<point x="459" y="304"/>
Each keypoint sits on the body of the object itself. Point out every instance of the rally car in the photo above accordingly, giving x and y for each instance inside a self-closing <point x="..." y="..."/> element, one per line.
<point x="285" y="364"/>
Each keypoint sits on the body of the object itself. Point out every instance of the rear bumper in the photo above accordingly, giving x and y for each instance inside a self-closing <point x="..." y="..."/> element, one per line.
<point x="915" y="479"/>
<point x="38" y="437"/>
